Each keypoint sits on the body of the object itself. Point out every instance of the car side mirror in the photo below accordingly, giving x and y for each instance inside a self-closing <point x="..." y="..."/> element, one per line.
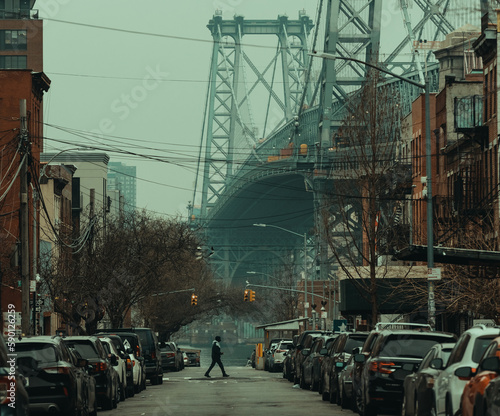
<point x="436" y="364"/>
<point x="491" y="364"/>
<point x="113" y="359"/>
<point x="82" y="362"/>
<point x="464" y="373"/>
<point x="359" y="358"/>
<point x="356" y="350"/>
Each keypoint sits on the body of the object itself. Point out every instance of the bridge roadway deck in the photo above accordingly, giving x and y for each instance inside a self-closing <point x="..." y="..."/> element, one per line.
<point x="247" y="392"/>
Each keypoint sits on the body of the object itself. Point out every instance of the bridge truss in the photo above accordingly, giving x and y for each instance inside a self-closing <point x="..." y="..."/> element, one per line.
<point x="301" y="104"/>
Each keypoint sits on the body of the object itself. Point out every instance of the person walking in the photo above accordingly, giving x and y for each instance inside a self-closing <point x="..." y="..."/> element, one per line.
<point x="216" y="358"/>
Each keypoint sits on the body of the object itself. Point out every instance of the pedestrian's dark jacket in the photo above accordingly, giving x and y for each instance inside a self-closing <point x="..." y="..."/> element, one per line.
<point x="216" y="353"/>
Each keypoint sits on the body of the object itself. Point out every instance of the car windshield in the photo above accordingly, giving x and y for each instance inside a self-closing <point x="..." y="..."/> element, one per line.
<point x="41" y="353"/>
<point x="285" y="345"/>
<point x="85" y="348"/>
<point x="412" y="346"/>
<point x="167" y="347"/>
<point x="352" y="343"/>
<point x="480" y="345"/>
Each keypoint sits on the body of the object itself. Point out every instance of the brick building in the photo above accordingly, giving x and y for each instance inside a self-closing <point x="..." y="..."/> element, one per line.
<point x="21" y="78"/>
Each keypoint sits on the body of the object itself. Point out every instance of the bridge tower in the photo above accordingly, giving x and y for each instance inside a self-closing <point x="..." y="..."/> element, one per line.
<point x="353" y="29"/>
<point x="231" y="128"/>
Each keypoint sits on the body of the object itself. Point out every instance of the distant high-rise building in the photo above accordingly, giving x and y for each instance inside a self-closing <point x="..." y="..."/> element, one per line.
<point x="122" y="177"/>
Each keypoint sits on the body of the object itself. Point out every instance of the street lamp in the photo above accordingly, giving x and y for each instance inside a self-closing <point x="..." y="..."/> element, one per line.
<point x="430" y="236"/>
<point x="305" y="258"/>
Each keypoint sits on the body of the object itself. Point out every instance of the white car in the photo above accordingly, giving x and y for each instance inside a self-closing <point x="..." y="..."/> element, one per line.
<point x="282" y="349"/>
<point x="120" y="366"/>
<point x="466" y="352"/>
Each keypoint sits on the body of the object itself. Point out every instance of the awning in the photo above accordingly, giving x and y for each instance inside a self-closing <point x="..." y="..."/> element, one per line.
<point x="450" y="255"/>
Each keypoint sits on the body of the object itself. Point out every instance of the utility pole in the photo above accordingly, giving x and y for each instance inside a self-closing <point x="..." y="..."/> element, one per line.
<point x="24" y="219"/>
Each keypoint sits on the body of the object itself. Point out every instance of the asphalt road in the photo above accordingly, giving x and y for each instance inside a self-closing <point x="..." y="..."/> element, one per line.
<point x="247" y="392"/>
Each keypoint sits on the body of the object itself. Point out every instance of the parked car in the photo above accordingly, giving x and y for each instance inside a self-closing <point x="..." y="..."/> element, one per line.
<point x="268" y="352"/>
<point x="279" y="354"/>
<point x="151" y="351"/>
<point x="396" y="353"/>
<point x="271" y="364"/>
<point x="311" y="367"/>
<point x="488" y="368"/>
<point x="193" y="356"/>
<point x="106" y="378"/>
<point x="305" y="340"/>
<point x="466" y="352"/>
<point x="418" y="399"/>
<point x="88" y="384"/>
<point x="126" y="354"/>
<point x="120" y="365"/>
<point x="338" y="358"/>
<point x="490" y="405"/>
<point x="53" y="382"/>
<point x="14" y="399"/>
<point x="345" y="384"/>
<point x="171" y="357"/>
<point x="133" y="346"/>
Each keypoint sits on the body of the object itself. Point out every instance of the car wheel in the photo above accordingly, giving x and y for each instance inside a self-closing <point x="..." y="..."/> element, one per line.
<point x="314" y="383"/>
<point x="333" y="392"/>
<point x="123" y="395"/>
<point x="160" y="379"/>
<point x="107" y="403"/>
<point x="449" y="408"/>
<point x="345" y="402"/>
<point x="154" y="380"/>
<point x="403" y="405"/>
<point x="325" y="396"/>
<point x="94" y="412"/>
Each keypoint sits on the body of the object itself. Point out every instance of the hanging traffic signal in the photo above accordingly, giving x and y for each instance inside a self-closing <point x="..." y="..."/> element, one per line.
<point x="252" y="295"/>
<point x="246" y="295"/>
<point x="194" y="300"/>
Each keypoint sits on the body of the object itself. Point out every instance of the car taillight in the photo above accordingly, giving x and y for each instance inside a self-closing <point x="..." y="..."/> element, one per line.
<point x="382" y="367"/>
<point x="129" y="363"/>
<point x="281" y="351"/>
<point x="65" y="391"/>
<point x="57" y="370"/>
<point x="100" y="367"/>
<point x="153" y="355"/>
<point x="170" y="354"/>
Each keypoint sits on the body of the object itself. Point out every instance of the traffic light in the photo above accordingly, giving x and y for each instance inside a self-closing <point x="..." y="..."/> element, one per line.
<point x="246" y="295"/>
<point x="194" y="300"/>
<point x="252" y="295"/>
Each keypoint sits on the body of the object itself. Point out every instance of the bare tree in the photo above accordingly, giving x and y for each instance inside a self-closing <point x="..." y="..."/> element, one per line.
<point x="363" y="195"/>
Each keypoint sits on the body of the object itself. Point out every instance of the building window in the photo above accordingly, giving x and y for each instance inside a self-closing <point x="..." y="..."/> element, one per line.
<point x="13" y="40"/>
<point x="13" y="62"/>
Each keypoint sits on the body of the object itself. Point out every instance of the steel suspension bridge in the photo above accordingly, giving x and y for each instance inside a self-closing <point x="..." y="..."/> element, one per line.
<point x="272" y="113"/>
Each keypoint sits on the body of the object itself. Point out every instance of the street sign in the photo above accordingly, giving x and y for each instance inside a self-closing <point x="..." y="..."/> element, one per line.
<point x="339" y="325"/>
<point x="434" y="273"/>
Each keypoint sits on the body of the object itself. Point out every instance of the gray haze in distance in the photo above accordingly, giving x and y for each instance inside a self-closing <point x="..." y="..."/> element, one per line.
<point x="105" y="84"/>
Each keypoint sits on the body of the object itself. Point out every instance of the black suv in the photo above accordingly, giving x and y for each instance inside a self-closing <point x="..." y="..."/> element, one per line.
<point x="106" y="378"/>
<point x="297" y="358"/>
<point x="53" y="382"/>
<point x="335" y="362"/>
<point x="395" y="354"/>
<point x="151" y="351"/>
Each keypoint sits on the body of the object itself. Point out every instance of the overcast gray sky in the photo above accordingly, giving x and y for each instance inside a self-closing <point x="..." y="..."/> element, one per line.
<point x="104" y="82"/>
